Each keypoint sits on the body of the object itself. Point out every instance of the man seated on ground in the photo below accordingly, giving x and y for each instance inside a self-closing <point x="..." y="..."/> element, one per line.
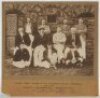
<point x="52" y="56"/>
<point x="39" y="60"/>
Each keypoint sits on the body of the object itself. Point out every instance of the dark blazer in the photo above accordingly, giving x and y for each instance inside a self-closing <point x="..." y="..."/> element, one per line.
<point x="27" y="39"/>
<point x="22" y="40"/>
<point x="18" y="40"/>
<point x="22" y="53"/>
<point x="46" y="39"/>
<point x="70" y="40"/>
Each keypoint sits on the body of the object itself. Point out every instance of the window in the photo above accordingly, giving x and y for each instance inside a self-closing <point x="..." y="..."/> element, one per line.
<point x="51" y="18"/>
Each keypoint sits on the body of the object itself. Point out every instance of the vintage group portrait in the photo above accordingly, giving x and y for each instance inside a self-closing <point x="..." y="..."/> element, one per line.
<point x="52" y="46"/>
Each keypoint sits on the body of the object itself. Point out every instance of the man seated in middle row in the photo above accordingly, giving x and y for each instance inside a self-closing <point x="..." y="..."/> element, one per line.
<point x="75" y="47"/>
<point x="59" y="40"/>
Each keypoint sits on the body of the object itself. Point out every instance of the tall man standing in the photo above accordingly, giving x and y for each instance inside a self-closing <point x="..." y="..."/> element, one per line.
<point x="66" y="30"/>
<point x="41" y="41"/>
<point x="82" y="29"/>
<point x="29" y="37"/>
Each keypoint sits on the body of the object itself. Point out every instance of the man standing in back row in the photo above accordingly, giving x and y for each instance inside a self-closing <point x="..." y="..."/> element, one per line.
<point x="82" y="29"/>
<point x="66" y="30"/>
<point x="41" y="41"/>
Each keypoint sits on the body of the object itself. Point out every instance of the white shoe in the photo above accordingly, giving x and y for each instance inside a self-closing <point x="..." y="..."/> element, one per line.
<point x="67" y="62"/>
<point x="73" y="61"/>
<point x="80" y="59"/>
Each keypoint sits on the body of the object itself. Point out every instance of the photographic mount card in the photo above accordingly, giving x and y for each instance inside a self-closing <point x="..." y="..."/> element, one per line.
<point x="50" y="48"/>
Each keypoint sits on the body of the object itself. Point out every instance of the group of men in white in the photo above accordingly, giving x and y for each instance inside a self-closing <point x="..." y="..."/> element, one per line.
<point x="63" y="43"/>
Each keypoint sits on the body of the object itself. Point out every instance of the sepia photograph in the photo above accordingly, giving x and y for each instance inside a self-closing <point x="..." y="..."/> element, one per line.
<point x="52" y="39"/>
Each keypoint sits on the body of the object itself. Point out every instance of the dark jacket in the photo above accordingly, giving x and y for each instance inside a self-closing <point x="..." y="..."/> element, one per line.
<point x="70" y="40"/>
<point x="21" y="54"/>
<point x="22" y="40"/>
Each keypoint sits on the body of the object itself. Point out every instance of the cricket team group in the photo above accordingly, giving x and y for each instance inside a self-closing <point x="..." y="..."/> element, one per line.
<point x="46" y="49"/>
